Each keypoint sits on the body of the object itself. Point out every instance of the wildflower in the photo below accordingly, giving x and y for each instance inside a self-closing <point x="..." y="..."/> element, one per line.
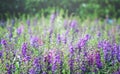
<point x="20" y="29"/>
<point x="24" y="49"/>
<point x="98" y="59"/>
<point x="71" y="65"/>
<point x="52" y="17"/>
<point x="90" y="58"/>
<point x="118" y="54"/>
<point x="58" y="38"/>
<point x="36" y="62"/>
<point x="4" y="42"/>
<point x="73" y="24"/>
<point x="10" y="68"/>
<point x="35" y="41"/>
<point x="71" y="50"/>
<point x="32" y="71"/>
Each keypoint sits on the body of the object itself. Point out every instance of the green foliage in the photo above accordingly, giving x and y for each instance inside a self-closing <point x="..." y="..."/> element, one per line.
<point x="83" y="8"/>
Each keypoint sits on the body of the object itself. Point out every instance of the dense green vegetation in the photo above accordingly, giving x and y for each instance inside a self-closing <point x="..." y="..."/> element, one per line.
<point x="82" y="8"/>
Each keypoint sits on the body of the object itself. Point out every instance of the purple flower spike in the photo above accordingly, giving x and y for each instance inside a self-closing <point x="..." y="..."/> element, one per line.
<point x="20" y="30"/>
<point x="24" y="49"/>
<point x="98" y="59"/>
<point x="118" y="54"/>
<point x="58" y="38"/>
<point x="82" y="42"/>
<point x="71" y="49"/>
<point x="36" y="62"/>
<point x="87" y="37"/>
<point x="52" y="17"/>
<point x="34" y="41"/>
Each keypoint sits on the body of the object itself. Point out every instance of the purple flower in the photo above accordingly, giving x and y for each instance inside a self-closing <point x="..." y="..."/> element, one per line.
<point x="24" y="49"/>
<point x="82" y="42"/>
<point x="73" y="24"/>
<point x="26" y="58"/>
<point x="71" y="65"/>
<point x="98" y="59"/>
<point x="90" y="58"/>
<point x="20" y="29"/>
<point x="83" y="67"/>
<point x="106" y="47"/>
<point x="1" y="53"/>
<point x="34" y="41"/>
<point x="58" y="38"/>
<point x="10" y="68"/>
<point x="87" y="37"/>
<point x="4" y="42"/>
<point x="71" y="50"/>
<point x="52" y="17"/>
<point x="64" y="39"/>
<point x="32" y="71"/>
<point x="36" y="62"/>
<point x="118" y="54"/>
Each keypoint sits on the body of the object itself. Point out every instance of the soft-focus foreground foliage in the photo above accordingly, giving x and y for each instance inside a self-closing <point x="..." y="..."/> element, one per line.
<point x="57" y="45"/>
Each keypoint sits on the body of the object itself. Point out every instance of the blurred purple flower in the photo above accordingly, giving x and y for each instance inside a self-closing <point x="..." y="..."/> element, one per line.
<point x="87" y="37"/>
<point x="58" y="38"/>
<point x="52" y="17"/>
<point x="90" y="58"/>
<point x="64" y="39"/>
<point x="118" y="54"/>
<point x="83" y="67"/>
<point x="32" y="71"/>
<point x="82" y="42"/>
<point x="106" y="47"/>
<point x="73" y="24"/>
<point x="20" y="29"/>
<point x="35" y="41"/>
<point x="10" y="68"/>
<point x="36" y="62"/>
<point x="4" y="42"/>
<point x="71" y="49"/>
<point x="24" y="49"/>
<point x="26" y="58"/>
<point x="71" y="65"/>
<point x="98" y="59"/>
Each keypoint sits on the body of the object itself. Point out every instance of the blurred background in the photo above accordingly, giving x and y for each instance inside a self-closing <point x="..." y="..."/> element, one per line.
<point x="81" y="8"/>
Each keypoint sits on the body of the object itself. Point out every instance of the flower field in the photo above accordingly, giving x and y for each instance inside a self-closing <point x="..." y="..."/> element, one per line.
<point x="59" y="45"/>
